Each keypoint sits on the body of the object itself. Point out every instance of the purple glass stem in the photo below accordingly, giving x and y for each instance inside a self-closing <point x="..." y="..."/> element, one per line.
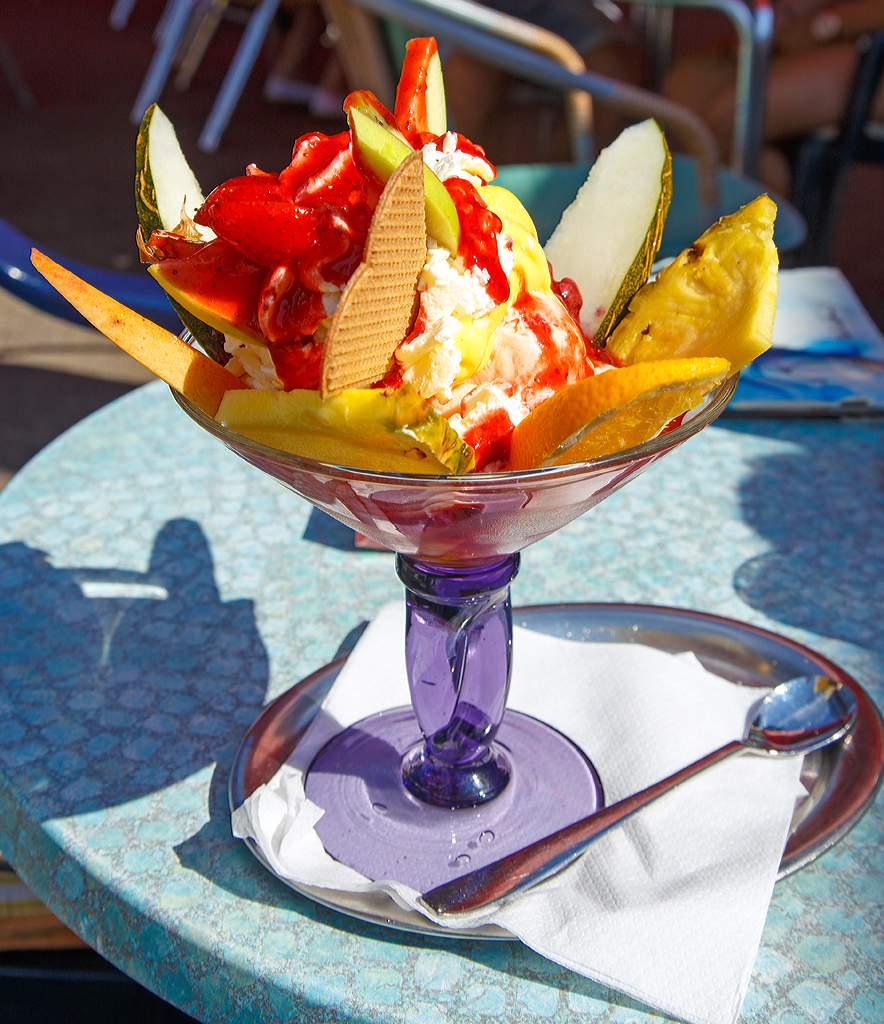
<point x="458" y="653"/>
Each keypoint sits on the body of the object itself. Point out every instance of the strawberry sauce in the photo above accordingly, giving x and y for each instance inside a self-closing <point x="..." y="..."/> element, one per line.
<point x="284" y="240"/>
<point x="479" y="228"/>
<point x="411" y="94"/>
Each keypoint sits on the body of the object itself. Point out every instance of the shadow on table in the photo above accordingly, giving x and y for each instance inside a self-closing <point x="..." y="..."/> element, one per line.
<point x="117" y="683"/>
<point x="821" y="508"/>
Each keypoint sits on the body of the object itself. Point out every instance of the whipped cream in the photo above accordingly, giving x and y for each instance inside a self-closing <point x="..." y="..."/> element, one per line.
<point x="481" y="402"/>
<point x="253" y="364"/>
<point x="448" y="161"/>
<point x="449" y="294"/>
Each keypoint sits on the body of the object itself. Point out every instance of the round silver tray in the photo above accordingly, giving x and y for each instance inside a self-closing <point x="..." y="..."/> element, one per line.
<point x="841" y="780"/>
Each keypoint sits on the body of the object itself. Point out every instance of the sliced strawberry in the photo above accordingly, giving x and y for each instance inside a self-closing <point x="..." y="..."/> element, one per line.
<point x="253" y="188"/>
<point x="420" y="98"/>
<point x="340" y="243"/>
<point x="311" y="155"/>
<point x="339" y="181"/>
<point x="267" y="233"/>
<point x="371" y="105"/>
<point x="286" y="310"/>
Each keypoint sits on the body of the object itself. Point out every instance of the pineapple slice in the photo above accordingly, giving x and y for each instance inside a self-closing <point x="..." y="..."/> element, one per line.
<point x="718" y="298"/>
<point x="367" y="428"/>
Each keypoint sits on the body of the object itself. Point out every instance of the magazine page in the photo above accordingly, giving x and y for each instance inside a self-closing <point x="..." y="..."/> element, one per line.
<point x="827" y="356"/>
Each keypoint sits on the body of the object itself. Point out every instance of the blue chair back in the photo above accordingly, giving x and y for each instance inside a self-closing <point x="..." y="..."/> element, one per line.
<point x="547" y="189"/>
<point x="138" y="291"/>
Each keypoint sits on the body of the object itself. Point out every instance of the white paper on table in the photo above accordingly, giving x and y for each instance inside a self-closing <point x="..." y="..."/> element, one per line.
<point x="669" y="907"/>
<point x="817" y="308"/>
<point x="827" y="356"/>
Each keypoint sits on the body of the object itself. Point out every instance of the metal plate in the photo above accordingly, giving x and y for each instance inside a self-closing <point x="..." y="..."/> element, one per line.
<point x="841" y="780"/>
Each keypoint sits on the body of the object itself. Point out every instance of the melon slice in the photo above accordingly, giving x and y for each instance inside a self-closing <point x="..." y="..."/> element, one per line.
<point x="216" y="289"/>
<point x="166" y="191"/>
<point x="164" y="183"/>
<point x="608" y="237"/>
<point x="378" y="151"/>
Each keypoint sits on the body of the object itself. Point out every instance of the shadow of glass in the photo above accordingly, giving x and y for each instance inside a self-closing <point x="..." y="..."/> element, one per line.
<point x="322" y="529"/>
<point x="821" y="508"/>
<point x="116" y="683"/>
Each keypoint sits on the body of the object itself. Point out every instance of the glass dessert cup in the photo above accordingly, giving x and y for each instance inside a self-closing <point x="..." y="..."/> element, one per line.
<point x="414" y="794"/>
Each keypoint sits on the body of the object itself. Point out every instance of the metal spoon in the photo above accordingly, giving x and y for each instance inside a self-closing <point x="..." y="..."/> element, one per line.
<point x="794" y="718"/>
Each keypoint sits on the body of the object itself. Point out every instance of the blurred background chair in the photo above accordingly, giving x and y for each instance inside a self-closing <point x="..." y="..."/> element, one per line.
<point x="547" y="189"/>
<point x="360" y="44"/>
<point x="823" y="160"/>
<point x="187" y="27"/>
<point x="752" y="22"/>
<point x="367" y="34"/>
<point x="182" y="36"/>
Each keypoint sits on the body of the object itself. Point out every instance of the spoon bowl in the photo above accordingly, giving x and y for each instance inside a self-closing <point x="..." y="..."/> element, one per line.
<point x="802" y="715"/>
<point x="796" y="717"/>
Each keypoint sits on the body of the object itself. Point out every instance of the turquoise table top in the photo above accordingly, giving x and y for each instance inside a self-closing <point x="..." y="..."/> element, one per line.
<point x="156" y="592"/>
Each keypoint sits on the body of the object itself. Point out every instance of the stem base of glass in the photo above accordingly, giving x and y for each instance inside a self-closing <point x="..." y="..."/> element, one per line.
<point x="374" y="825"/>
<point x="466" y="786"/>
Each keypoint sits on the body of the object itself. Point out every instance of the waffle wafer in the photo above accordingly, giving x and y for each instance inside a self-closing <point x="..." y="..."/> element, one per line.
<point x="378" y="305"/>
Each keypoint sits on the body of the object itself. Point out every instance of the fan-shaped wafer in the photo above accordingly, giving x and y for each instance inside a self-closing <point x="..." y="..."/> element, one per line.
<point x="377" y="306"/>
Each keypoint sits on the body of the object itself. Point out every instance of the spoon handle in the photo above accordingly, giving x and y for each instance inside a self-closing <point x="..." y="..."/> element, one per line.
<point x="545" y="857"/>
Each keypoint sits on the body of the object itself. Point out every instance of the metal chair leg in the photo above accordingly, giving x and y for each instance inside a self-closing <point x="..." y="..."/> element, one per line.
<point x="119" y="15"/>
<point x="207" y="24"/>
<point x="13" y="78"/>
<point x="822" y="163"/>
<point x="237" y="75"/>
<point x="164" y="55"/>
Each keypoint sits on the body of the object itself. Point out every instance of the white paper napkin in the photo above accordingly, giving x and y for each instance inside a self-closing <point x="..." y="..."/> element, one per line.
<point x="669" y="907"/>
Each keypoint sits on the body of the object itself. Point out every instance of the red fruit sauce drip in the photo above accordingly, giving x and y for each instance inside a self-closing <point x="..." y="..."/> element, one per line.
<point x="552" y="371"/>
<point x="672" y="424"/>
<point x="491" y="439"/>
<point x="569" y="294"/>
<point x="479" y="228"/>
<point x="597" y="354"/>
<point x="298" y="365"/>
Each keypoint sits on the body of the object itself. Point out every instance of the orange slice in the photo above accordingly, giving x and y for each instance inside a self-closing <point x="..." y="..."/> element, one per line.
<point x="612" y="410"/>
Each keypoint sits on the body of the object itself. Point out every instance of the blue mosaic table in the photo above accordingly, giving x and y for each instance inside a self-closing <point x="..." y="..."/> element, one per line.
<point x="156" y="592"/>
